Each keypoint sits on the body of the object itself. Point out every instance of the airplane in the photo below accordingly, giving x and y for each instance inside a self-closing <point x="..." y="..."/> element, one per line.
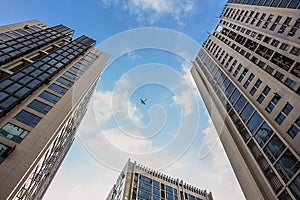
<point x="143" y="101"/>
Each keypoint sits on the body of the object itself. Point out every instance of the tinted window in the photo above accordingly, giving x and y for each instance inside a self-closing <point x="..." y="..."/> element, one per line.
<point x="27" y="118"/>
<point x="240" y="104"/>
<point x="49" y="97"/>
<point x="13" y="132"/>
<point x="65" y="82"/>
<point x="274" y="148"/>
<point x="39" y="106"/>
<point x="287" y="165"/>
<point x="254" y="122"/>
<point x="57" y="88"/>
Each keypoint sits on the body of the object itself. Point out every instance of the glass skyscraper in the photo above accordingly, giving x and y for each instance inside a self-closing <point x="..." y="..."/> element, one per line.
<point x="46" y="81"/>
<point x="248" y="74"/>
<point x="142" y="183"/>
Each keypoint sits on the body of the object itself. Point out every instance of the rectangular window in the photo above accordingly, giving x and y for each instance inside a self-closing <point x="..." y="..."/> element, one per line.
<point x="13" y="132"/>
<point x="5" y="150"/>
<point x="65" y="82"/>
<point x="70" y="76"/>
<point x="263" y="134"/>
<point x="290" y="83"/>
<point x="294" y="130"/>
<point x="27" y="118"/>
<point x="255" y="87"/>
<point x="49" y="97"/>
<point x="243" y="75"/>
<point x="274" y="148"/>
<point x="39" y="106"/>
<point x="272" y="103"/>
<point x="56" y="88"/>
<point x="250" y="78"/>
<point x="254" y="122"/>
<point x="284" y="113"/>
<point x="247" y="112"/>
<point x="287" y="166"/>
<point x="237" y="70"/>
<point x="264" y="93"/>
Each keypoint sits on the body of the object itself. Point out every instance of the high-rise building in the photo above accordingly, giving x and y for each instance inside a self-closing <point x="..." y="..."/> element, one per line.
<point x="46" y="81"/>
<point x="139" y="182"/>
<point x="248" y="74"/>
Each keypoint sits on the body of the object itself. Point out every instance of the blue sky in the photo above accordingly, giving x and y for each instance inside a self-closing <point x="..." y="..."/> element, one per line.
<point x="173" y="132"/>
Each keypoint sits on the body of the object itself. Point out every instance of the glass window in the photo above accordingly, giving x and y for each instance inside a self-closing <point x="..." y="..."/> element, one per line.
<point x="27" y="118"/>
<point x="8" y="102"/>
<point x="25" y="79"/>
<point x="14" y="87"/>
<point x="65" y="82"/>
<point x="247" y="112"/>
<point x="4" y="151"/>
<point x="39" y="106"/>
<point x="145" y="187"/>
<point x="57" y="88"/>
<point x="3" y="95"/>
<point x="287" y="165"/>
<point x="290" y="83"/>
<point x="33" y="83"/>
<point x="155" y="183"/>
<point x="274" y="148"/>
<point x="5" y="83"/>
<point x="285" y="111"/>
<point x="169" y="189"/>
<point x="295" y="187"/>
<point x="229" y="90"/>
<point x="144" y="195"/>
<point x="145" y="179"/>
<point x="240" y="104"/>
<point x="70" y="75"/>
<point x="13" y="132"/>
<point x="22" y="92"/>
<point x="272" y="103"/>
<point x="156" y="191"/>
<point x="235" y="95"/>
<point x="263" y="134"/>
<point x="49" y="97"/>
<point x="254" y="122"/>
<point x="295" y="51"/>
<point x="294" y="130"/>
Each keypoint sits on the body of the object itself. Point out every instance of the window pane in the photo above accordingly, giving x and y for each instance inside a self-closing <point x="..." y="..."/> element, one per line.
<point x="274" y="148"/>
<point x="263" y="134"/>
<point x="65" y="82"/>
<point x="287" y="166"/>
<point x="240" y="104"/>
<point x="57" y="88"/>
<point x="254" y="122"/>
<point x="27" y="118"/>
<point x="39" y="106"/>
<point x="13" y="132"/>
<point x="49" y="97"/>
<point x="247" y="112"/>
<point x="235" y="95"/>
<point x="295" y="187"/>
<point x="70" y="75"/>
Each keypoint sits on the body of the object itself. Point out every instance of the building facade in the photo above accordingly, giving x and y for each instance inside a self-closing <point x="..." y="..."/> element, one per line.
<point x="139" y="182"/>
<point x="248" y="74"/>
<point x="46" y="81"/>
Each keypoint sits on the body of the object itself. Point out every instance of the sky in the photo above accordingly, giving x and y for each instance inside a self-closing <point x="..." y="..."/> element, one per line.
<point x="151" y="44"/>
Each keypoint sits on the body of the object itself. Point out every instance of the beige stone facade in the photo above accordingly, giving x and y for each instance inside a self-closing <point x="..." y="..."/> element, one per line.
<point x="139" y="182"/>
<point x="46" y="81"/>
<point x="248" y="74"/>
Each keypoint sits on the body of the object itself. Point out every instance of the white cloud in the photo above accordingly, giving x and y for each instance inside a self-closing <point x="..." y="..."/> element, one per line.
<point x="133" y="143"/>
<point x="106" y="104"/>
<point x="152" y="10"/>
